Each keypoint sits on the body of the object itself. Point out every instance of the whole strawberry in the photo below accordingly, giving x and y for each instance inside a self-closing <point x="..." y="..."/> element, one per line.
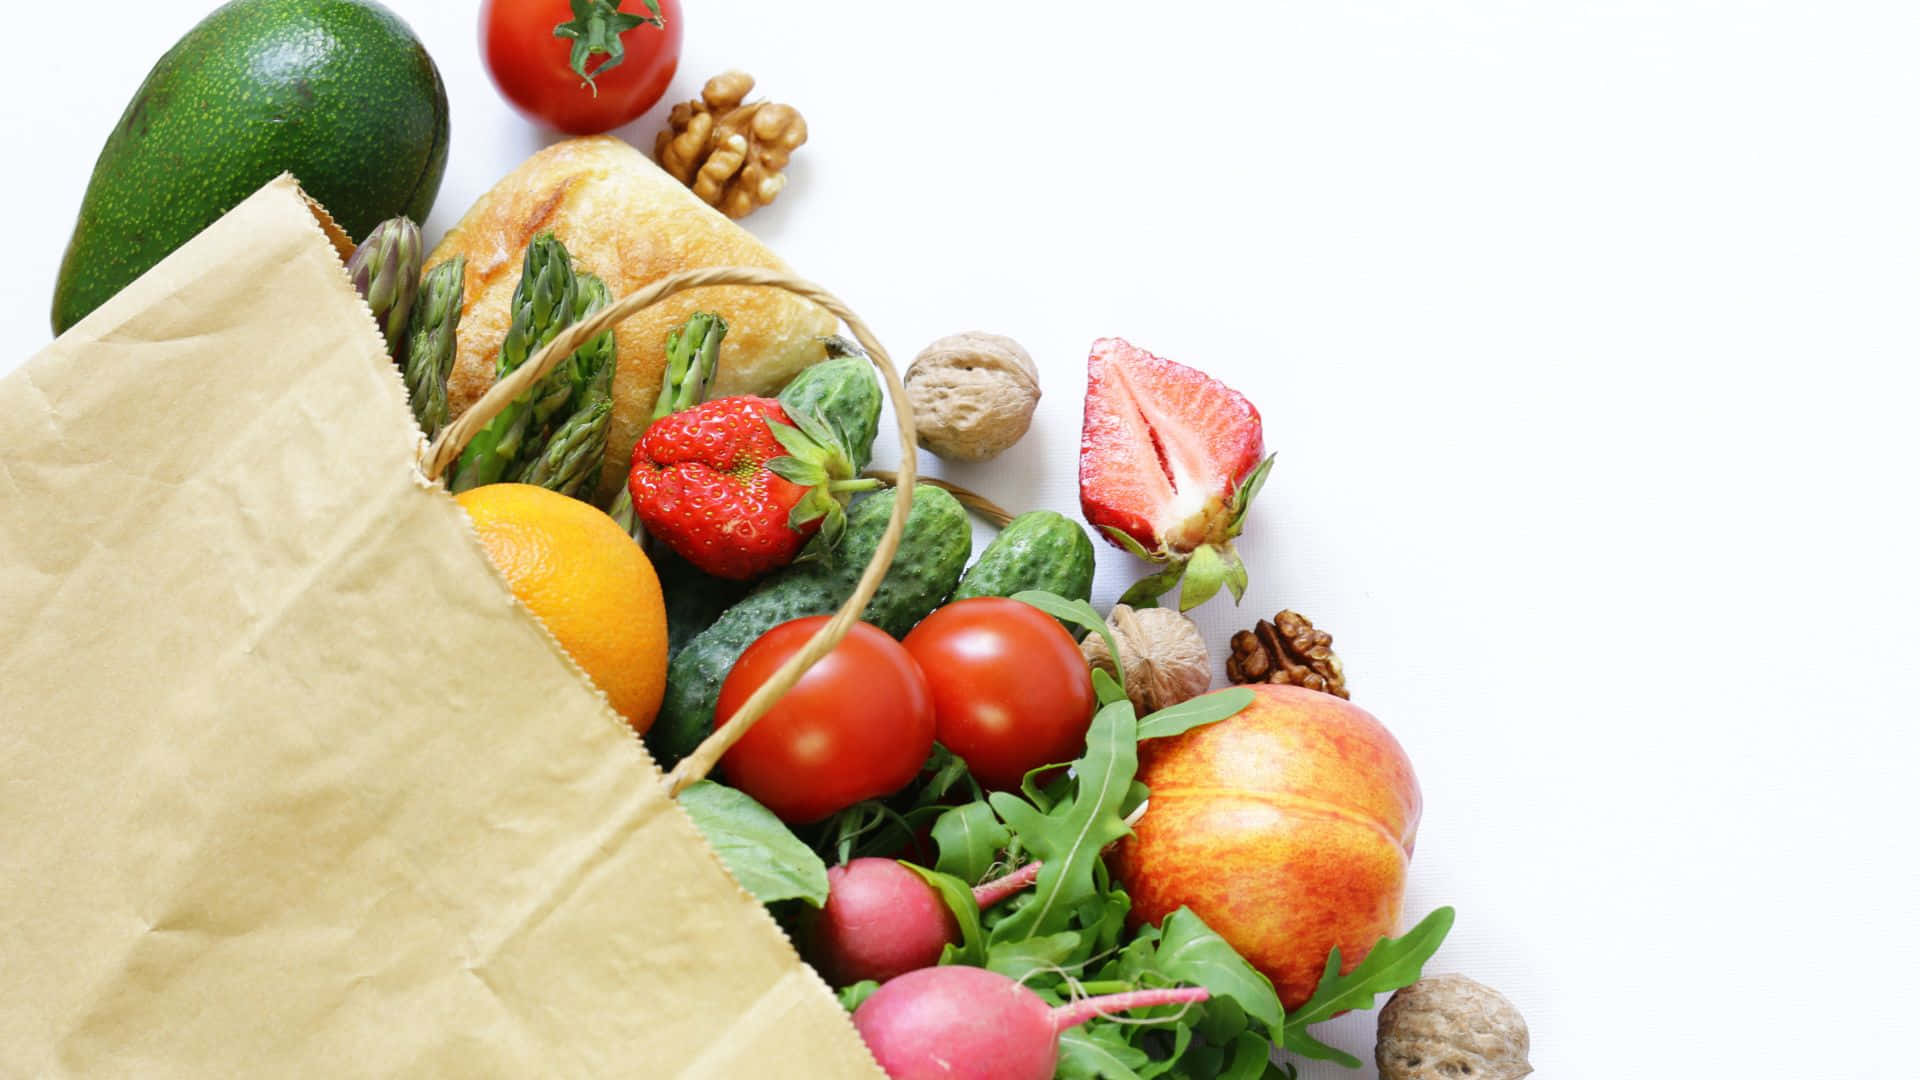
<point x="1170" y="458"/>
<point x="735" y="487"/>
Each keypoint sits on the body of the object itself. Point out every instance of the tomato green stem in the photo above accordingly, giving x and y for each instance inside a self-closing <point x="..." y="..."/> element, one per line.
<point x="596" y="27"/>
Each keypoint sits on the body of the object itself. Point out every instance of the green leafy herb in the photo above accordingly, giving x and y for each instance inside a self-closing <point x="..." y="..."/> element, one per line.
<point x="852" y="996"/>
<point x="969" y="838"/>
<point x="1391" y="964"/>
<point x="758" y="849"/>
<point x="1195" y="712"/>
<point x="1068" y="839"/>
<point x="958" y="896"/>
<point x="1073" y="612"/>
<point x="1098" y="1052"/>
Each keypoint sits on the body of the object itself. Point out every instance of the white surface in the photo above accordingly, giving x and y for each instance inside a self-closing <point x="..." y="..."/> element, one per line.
<point x="1586" y="334"/>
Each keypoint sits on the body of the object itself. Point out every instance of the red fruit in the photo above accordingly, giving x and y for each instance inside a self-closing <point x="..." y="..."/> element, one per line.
<point x="701" y="484"/>
<point x="1169" y="460"/>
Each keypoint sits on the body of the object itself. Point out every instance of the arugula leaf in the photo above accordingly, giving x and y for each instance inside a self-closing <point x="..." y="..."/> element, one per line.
<point x="1195" y="712"/>
<point x="958" y="896"/>
<point x="1391" y="964"/>
<point x="1068" y="839"/>
<point x="851" y="996"/>
<point x="758" y="849"/>
<point x="1077" y="612"/>
<point x="1250" y="1054"/>
<point x="1098" y="1052"/>
<point x="1191" y="952"/>
<point x="1106" y="688"/>
<point x="1022" y="958"/>
<point x="970" y="838"/>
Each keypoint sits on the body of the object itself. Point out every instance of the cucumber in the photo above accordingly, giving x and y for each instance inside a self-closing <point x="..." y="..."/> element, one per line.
<point x="339" y="93"/>
<point x="1037" y="550"/>
<point x="845" y="392"/>
<point x="932" y="554"/>
<point x="694" y="600"/>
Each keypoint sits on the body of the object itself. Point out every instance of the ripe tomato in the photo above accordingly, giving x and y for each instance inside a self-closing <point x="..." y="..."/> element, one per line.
<point x="532" y="68"/>
<point x="858" y="724"/>
<point x="1011" y="690"/>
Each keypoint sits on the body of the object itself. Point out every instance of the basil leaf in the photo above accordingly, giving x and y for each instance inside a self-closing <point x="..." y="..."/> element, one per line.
<point x="1195" y="712"/>
<point x="1068" y="839"/>
<point x="958" y="896"/>
<point x="1097" y="1052"/>
<point x="970" y="838"/>
<point x="1391" y="964"/>
<point x="1190" y="952"/>
<point x="757" y="848"/>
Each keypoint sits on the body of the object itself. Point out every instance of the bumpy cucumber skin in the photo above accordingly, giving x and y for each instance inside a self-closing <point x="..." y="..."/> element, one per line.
<point x="1037" y="550"/>
<point x="847" y="393"/>
<point x="340" y="93"/>
<point x="693" y="599"/>
<point x="932" y="555"/>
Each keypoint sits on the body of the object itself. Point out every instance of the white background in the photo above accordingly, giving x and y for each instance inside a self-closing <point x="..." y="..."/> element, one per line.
<point x="1585" y="332"/>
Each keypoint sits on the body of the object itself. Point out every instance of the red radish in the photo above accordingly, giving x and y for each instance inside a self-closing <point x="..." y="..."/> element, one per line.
<point x="882" y="920"/>
<point x="1169" y="460"/>
<point x="968" y="1023"/>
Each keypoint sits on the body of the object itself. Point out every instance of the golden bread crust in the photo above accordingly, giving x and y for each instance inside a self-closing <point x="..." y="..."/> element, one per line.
<point x="627" y="221"/>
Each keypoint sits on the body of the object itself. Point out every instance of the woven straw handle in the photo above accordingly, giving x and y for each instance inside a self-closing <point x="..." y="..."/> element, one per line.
<point x="446" y="449"/>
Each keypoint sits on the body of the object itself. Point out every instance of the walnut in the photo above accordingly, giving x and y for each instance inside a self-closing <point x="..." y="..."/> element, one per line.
<point x="1287" y="650"/>
<point x="728" y="150"/>
<point x="1448" y="1027"/>
<point x="972" y="395"/>
<point x="1163" y="652"/>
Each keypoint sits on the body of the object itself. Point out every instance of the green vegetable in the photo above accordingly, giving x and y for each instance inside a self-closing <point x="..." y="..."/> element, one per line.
<point x="1391" y="964"/>
<point x="761" y="853"/>
<point x="932" y="553"/>
<point x="385" y="270"/>
<point x="694" y="600"/>
<point x="541" y="306"/>
<point x="430" y="341"/>
<point x="1037" y="550"/>
<point x="339" y="93"/>
<point x="578" y="400"/>
<point x="845" y="393"/>
<point x="693" y="355"/>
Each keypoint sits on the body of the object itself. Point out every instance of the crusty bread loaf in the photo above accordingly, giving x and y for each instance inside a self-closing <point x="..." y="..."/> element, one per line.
<point x="627" y="221"/>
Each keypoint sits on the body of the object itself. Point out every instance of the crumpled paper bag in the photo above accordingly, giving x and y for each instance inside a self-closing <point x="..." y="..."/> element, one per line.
<point x="291" y="786"/>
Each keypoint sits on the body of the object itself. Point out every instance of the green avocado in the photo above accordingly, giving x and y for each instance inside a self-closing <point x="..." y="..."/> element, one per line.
<point x="337" y="92"/>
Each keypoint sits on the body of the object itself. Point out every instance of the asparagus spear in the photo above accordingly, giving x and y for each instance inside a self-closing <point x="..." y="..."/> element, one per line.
<point x="430" y="341"/>
<point x="693" y="353"/>
<point x="567" y="457"/>
<point x="386" y="270"/>
<point x="541" y="306"/>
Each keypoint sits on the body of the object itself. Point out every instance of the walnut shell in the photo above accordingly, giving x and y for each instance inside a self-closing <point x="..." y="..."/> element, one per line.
<point x="1163" y="652"/>
<point x="1448" y="1027"/>
<point x="972" y="395"/>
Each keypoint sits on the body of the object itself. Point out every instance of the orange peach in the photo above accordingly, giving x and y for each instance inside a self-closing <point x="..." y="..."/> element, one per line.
<point x="1287" y="827"/>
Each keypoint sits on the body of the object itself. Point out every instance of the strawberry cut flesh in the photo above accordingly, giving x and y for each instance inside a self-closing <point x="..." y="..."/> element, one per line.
<point x="1162" y="448"/>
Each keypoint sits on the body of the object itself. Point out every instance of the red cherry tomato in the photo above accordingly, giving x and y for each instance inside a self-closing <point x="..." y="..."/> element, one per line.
<point x="533" y="69"/>
<point x="858" y="724"/>
<point x="1010" y="688"/>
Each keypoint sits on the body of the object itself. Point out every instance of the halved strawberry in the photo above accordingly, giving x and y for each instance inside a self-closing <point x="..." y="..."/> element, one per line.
<point x="1169" y="460"/>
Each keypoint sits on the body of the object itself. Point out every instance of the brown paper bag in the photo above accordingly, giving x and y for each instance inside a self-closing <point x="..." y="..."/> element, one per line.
<point x="291" y="786"/>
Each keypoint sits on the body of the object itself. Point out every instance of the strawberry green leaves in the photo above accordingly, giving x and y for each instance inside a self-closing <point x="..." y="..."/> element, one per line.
<point x="1391" y="964"/>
